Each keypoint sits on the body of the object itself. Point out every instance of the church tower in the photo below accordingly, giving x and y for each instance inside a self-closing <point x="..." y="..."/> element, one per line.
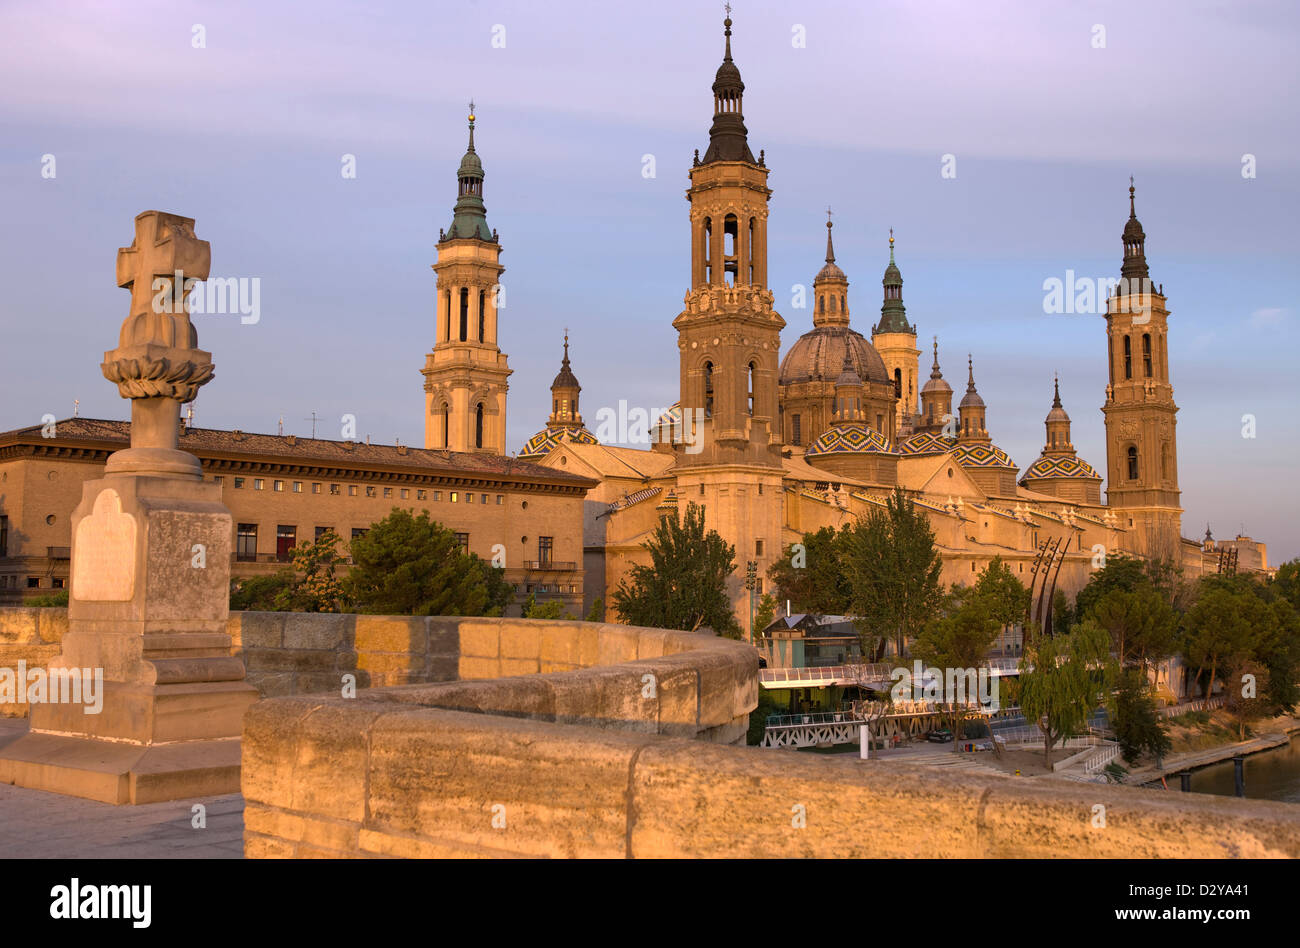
<point x="465" y="376"/>
<point x="564" y="395"/>
<point x="729" y="339"/>
<point x="1141" y="449"/>
<point x="936" y="402"/>
<point x="973" y="429"/>
<point x="895" y="339"/>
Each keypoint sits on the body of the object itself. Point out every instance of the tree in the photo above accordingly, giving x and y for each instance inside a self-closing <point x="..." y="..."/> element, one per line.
<point x="597" y="613"/>
<point x="1287" y="582"/>
<point x="267" y="593"/>
<point x="408" y="565"/>
<point x="893" y="570"/>
<point x="1141" y="622"/>
<point x="1003" y="595"/>
<point x="1062" y="679"/>
<point x="553" y="609"/>
<point x="1124" y="573"/>
<point x="1138" y="727"/>
<point x="318" y="589"/>
<point x="685" y="585"/>
<point x="960" y="640"/>
<point x="765" y="613"/>
<point x="1221" y="631"/>
<point x="813" y="578"/>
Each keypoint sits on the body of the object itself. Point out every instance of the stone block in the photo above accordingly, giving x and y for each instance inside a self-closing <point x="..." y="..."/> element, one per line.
<point x="522" y="643"/>
<point x="269" y="748"/>
<point x="470" y="668"/>
<point x="615" y="644"/>
<point x="259" y="629"/>
<point x="480" y="638"/>
<point x="19" y="625"/>
<point x="391" y="634"/>
<point x="317" y="630"/>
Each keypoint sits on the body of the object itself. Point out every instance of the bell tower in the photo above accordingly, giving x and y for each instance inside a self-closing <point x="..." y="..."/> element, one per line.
<point x="895" y="339"/>
<point x="729" y="340"/>
<point x="1141" y="445"/>
<point x="465" y="376"/>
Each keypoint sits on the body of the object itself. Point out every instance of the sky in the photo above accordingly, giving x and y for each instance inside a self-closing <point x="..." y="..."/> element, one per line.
<point x="239" y="115"/>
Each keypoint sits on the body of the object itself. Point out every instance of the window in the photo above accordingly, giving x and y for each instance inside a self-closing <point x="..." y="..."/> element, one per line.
<point x="370" y="490"/>
<point x="321" y="531"/>
<point x="246" y="542"/>
<point x="463" y="540"/>
<point x="218" y="480"/>
<point x="334" y="490"/>
<point x="33" y="582"/>
<point x="277" y="485"/>
<point x="478" y="426"/>
<point x="898" y="383"/>
<point x="464" y="314"/>
<point x="286" y="538"/>
<point x="358" y="532"/>
<point x="4" y="536"/>
<point x="1132" y="463"/>
<point x="1146" y="354"/>
<point x="297" y="487"/>
<point x="239" y="482"/>
<point x="421" y="495"/>
<point x="708" y="390"/>
<point x="469" y="498"/>
<point x="482" y="498"/>
<point x="437" y="495"/>
<point x="388" y="492"/>
<point x="445" y="412"/>
<point x="315" y="488"/>
<point x="454" y="497"/>
<point x="482" y="305"/>
<point x="880" y="422"/>
<point x="751" y="388"/>
<point x="352" y="490"/>
<point x="545" y="546"/>
<point x="405" y="493"/>
<point x="58" y="582"/>
<point x="1128" y="357"/>
<point x="758" y="547"/>
<point x="501" y="499"/>
<point x="795" y="433"/>
<point x="258" y="483"/>
<point x="1164" y="461"/>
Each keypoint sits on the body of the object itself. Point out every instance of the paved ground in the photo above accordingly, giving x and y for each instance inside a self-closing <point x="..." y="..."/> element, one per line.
<point x="39" y="825"/>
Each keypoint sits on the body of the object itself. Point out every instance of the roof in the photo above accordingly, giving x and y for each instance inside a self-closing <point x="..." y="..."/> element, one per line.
<point x="616" y="461"/>
<point x="818" y="356"/>
<point x="235" y="445"/>
<point x="546" y="440"/>
<point x="1061" y="466"/>
<point x="849" y="438"/>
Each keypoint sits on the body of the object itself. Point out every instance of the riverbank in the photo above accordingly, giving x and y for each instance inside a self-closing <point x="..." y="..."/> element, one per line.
<point x="1280" y="730"/>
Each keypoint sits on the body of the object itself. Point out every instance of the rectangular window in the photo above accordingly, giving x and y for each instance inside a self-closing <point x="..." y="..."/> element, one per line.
<point x="297" y="487"/>
<point x="286" y="538"/>
<point x="352" y="490"/>
<point x="758" y="547"/>
<point x="454" y="496"/>
<point x="388" y="492"/>
<point x="405" y="493"/>
<point x="315" y="487"/>
<point x="358" y="532"/>
<point x="545" y="546"/>
<point x="58" y="582"/>
<point x="277" y="485"/>
<point x="463" y="540"/>
<point x="795" y="430"/>
<point x="218" y="479"/>
<point x="500" y="499"/>
<point x="437" y="495"/>
<point x="246" y="542"/>
<point x="33" y="582"/>
<point x="421" y="495"/>
<point x="334" y="490"/>
<point x="469" y="497"/>
<point x="483" y="498"/>
<point x="258" y="483"/>
<point x="4" y="536"/>
<point x="321" y="531"/>
<point x="370" y="491"/>
<point x="239" y="482"/>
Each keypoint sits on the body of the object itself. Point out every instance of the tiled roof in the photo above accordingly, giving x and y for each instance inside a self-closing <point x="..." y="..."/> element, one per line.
<point x="849" y="439"/>
<point x="208" y="443"/>
<point x="1062" y="466"/>
<point x="546" y="440"/>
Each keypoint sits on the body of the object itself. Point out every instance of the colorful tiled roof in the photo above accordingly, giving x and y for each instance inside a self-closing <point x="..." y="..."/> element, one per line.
<point x="1062" y="466"/>
<point x="849" y="438"/>
<point x="926" y="443"/>
<point x="982" y="455"/>
<point x="546" y="441"/>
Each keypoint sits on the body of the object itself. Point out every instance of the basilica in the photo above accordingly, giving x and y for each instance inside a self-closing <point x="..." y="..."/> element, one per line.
<point x="775" y="443"/>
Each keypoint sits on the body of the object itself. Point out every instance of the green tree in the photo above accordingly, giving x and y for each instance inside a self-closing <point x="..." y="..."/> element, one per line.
<point x="409" y="565"/>
<point x="266" y="593"/>
<point x="49" y="600"/>
<point x="597" y="613"/>
<point x="1003" y="595"/>
<point x="1062" y="679"/>
<point x="765" y="613"/>
<point x="318" y="588"/>
<point x="960" y="640"/>
<point x="813" y="578"/>
<point x="1124" y="573"/>
<point x="552" y="609"/>
<point x="1138" y="726"/>
<point x="1287" y="582"/>
<point x="1221" y="632"/>
<point x="685" y="585"/>
<point x="1142" y="624"/>
<point x="893" y="570"/>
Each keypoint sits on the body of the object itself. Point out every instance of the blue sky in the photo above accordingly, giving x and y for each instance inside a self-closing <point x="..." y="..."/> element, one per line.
<point x="246" y="136"/>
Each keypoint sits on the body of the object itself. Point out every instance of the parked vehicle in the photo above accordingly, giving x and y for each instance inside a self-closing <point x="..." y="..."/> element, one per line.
<point x="942" y="736"/>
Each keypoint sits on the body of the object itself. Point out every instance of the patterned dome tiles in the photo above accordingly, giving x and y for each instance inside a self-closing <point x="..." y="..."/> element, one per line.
<point x="546" y="441"/>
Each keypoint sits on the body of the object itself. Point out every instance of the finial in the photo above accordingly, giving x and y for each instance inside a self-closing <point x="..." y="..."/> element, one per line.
<point x="970" y="366"/>
<point x="566" y="345"/>
<point x="891" y="246"/>
<point x="934" y="372"/>
<point x="727" y="23"/>
<point x="471" y="125"/>
<point x="1132" y="208"/>
<point x="830" y="249"/>
<point x="1056" y="385"/>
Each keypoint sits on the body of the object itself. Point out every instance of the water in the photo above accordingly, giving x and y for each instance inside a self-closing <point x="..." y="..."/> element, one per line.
<point x="1270" y="775"/>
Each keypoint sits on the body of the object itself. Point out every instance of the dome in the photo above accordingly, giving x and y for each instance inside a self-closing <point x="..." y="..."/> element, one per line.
<point x="470" y="166"/>
<point x="1060" y="467"/>
<point x="849" y="438"/>
<point x="818" y="356"/>
<point x="548" y="439"/>
<point x="936" y="384"/>
<point x="982" y="455"/>
<point x="728" y="78"/>
<point x="830" y="271"/>
<point x="926" y="443"/>
<point x="971" y="400"/>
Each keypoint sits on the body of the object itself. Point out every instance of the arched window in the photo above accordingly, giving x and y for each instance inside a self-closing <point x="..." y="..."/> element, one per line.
<point x="1132" y="463"/>
<point x="843" y="307"/>
<point x="464" y="314"/>
<point x="821" y="304"/>
<point x="749" y="250"/>
<point x="708" y="390"/>
<point x="708" y="250"/>
<point x="795" y="433"/>
<point x="446" y="333"/>
<point x="478" y="426"/>
<point x="445" y="417"/>
<point x="1128" y="357"/>
<point x="1164" y="461"/>
<point x="1146" y="354"/>
<point x="832" y="304"/>
<point x="482" y="309"/>
<point x="898" y="383"/>
<point x="751" y="387"/>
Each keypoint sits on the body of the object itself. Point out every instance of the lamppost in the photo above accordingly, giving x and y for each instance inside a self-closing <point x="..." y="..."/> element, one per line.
<point x="751" y="583"/>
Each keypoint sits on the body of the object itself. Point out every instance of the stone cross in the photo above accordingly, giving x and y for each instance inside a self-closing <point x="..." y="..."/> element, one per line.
<point x="164" y="247"/>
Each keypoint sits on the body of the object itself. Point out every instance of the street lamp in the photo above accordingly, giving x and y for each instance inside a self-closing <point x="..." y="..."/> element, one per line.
<point x="751" y="583"/>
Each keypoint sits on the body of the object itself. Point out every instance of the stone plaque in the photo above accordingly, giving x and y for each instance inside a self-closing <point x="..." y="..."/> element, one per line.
<point x="103" y="564"/>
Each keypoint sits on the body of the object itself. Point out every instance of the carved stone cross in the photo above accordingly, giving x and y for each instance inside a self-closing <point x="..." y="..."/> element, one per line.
<point x="164" y="247"/>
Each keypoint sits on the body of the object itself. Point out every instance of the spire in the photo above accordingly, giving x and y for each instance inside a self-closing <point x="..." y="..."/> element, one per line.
<point x="893" y="314"/>
<point x="727" y="137"/>
<point x="470" y="215"/>
<point x="564" y="394"/>
<point x="970" y="367"/>
<point x="1056" y="385"/>
<point x="934" y="370"/>
<point x="1134" y="268"/>
<point x="830" y="248"/>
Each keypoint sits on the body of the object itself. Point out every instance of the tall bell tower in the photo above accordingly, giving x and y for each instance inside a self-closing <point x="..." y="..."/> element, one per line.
<point x="1141" y="444"/>
<point x="465" y="376"/>
<point x="729" y="340"/>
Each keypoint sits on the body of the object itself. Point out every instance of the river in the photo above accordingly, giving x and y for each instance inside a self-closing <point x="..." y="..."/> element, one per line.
<point x="1270" y="775"/>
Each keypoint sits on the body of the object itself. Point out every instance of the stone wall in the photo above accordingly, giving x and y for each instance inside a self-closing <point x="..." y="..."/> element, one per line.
<point x="590" y="762"/>
<point x="32" y="636"/>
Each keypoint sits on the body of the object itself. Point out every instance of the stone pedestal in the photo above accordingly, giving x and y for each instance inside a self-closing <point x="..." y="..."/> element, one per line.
<point x="150" y="574"/>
